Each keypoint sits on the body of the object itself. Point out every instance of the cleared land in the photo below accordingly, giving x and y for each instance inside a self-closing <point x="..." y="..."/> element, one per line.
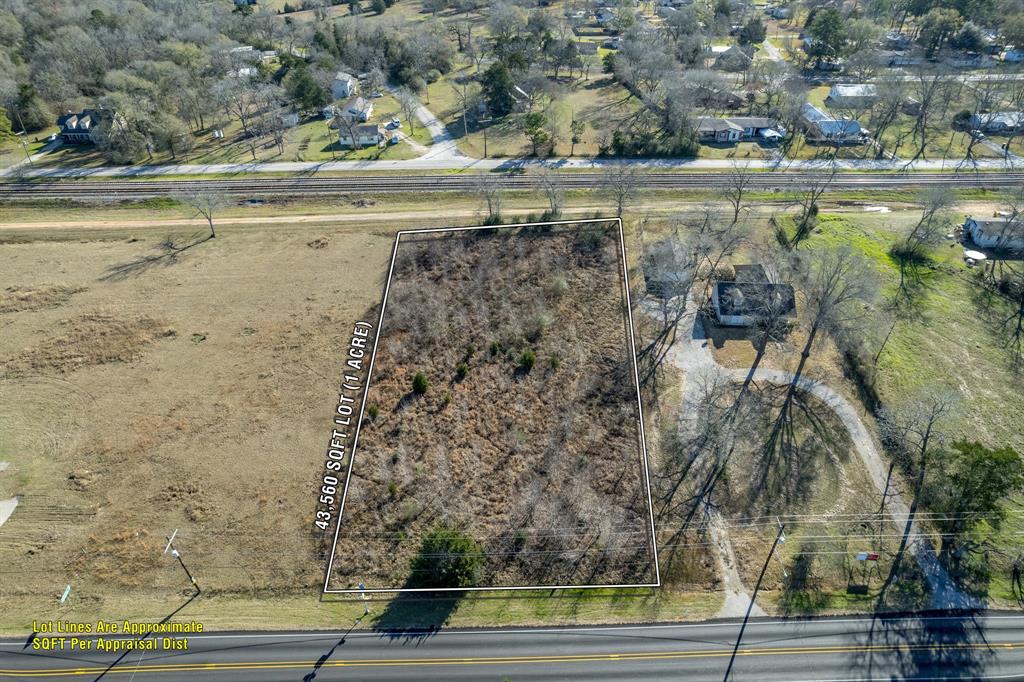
<point x="193" y="395"/>
<point x="527" y="439"/>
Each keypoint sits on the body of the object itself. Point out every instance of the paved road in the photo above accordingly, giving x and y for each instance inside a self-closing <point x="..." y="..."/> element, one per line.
<point x="369" y="184"/>
<point x="443" y="156"/>
<point x="830" y="649"/>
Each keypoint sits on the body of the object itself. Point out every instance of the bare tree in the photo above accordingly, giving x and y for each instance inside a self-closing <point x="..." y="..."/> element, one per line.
<point x="466" y="95"/>
<point x="836" y="285"/>
<point x="1012" y="325"/>
<point x="551" y="183"/>
<point x="737" y="182"/>
<point x="807" y="199"/>
<point x="409" y="103"/>
<point x="885" y="111"/>
<point x="914" y="430"/>
<point x="621" y="182"/>
<point x="488" y="189"/>
<point x="927" y="232"/>
<point x="347" y="124"/>
<point x="929" y="88"/>
<point x="205" y="202"/>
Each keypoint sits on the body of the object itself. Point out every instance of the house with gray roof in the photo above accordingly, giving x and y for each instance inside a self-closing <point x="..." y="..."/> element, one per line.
<point x="738" y="128"/>
<point x="998" y="122"/>
<point x="86" y="127"/>
<point x="751" y="297"/>
<point x="823" y="127"/>
<point x="853" y="95"/>
<point x="996" y="232"/>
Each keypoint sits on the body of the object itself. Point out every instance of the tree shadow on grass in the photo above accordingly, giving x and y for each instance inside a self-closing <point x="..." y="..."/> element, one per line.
<point x="916" y="273"/>
<point x="166" y="253"/>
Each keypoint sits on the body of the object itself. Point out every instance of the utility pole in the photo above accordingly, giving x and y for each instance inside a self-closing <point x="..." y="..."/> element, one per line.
<point x="484" y="123"/>
<point x="24" y="133"/>
<point x="780" y="537"/>
<point x="177" y="555"/>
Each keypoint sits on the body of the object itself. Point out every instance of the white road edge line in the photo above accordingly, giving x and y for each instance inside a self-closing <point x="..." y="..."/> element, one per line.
<point x="565" y="630"/>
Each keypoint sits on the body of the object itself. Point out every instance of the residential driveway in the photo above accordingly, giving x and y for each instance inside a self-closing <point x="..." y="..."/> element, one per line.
<point x="772" y="51"/>
<point x="442" y="144"/>
<point x="693" y="356"/>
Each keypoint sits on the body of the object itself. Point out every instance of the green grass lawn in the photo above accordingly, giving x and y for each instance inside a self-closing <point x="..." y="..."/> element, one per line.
<point x="597" y="100"/>
<point x="740" y="151"/>
<point x="12" y="151"/>
<point x="949" y="343"/>
<point x="311" y="140"/>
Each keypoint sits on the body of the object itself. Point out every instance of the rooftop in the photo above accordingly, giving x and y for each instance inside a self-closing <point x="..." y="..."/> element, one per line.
<point x="750" y="298"/>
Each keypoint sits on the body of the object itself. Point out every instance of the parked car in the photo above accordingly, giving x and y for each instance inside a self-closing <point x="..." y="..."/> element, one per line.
<point x="977" y="135"/>
<point x="394" y="124"/>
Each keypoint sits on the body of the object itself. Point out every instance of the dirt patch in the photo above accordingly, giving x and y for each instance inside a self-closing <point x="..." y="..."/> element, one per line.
<point x="127" y="557"/>
<point x="525" y="433"/>
<point x="93" y="339"/>
<point x="18" y="299"/>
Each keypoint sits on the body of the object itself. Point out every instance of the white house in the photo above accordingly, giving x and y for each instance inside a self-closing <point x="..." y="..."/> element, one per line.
<point x="996" y="233"/>
<point x="821" y="127"/>
<point x="997" y="121"/>
<point x="718" y="130"/>
<point x="853" y="95"/>
<point x="344" y="85"/>
<point x="738" y="128"/>
<point x="359" y="108"/>
<point x="368" y="135"/>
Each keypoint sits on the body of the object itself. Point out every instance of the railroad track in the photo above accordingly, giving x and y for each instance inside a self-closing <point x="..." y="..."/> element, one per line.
<point x="391" y="184"/>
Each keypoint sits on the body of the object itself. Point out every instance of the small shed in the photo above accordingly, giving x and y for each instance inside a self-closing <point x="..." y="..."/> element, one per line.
<point x="996" y="233"/>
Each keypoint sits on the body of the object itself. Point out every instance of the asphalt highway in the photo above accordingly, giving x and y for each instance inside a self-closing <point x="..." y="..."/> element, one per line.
<point x="369" y="184"/>
<point x="989" y="646"/>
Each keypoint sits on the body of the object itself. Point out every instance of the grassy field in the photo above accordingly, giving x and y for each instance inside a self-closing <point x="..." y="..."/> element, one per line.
<point x="190" y="392"/>
<point x="311" y="140"/>
<point x="12" y="152"/>
<point x="949" y="342"/>
<point x="195" y="392"/>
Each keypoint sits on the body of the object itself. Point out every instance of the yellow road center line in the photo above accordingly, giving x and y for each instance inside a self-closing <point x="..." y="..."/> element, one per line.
<point x="507" y="660"/>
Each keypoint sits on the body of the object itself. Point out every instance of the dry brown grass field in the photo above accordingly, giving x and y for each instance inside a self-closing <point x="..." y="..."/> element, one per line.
<point x="538" y="460"/>
<point x="194" y="394"/>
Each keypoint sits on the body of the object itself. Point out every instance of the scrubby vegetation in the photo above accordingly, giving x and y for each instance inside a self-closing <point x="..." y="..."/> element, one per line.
<point x="541" y="468"/>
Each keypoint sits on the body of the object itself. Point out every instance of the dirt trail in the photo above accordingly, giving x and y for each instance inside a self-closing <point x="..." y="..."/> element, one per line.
<point x="430" y="216"/>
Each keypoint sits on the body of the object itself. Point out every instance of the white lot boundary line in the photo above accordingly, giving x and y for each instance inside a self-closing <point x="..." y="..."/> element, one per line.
<point x="362" y="407"/>
<point x="639" y="401"/>
<point x="366" y="390"/>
